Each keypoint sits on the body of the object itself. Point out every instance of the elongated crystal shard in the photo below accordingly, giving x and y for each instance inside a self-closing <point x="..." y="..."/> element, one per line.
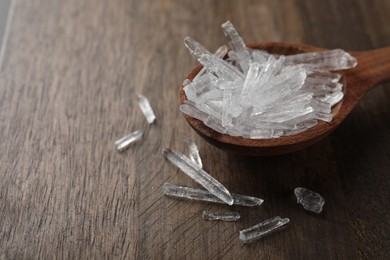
<point x="183" y="192"/>
<point x="221" y="216"/>
<point x="198" y="175"/>
<point x="235" y="40"/>
<point x="219" y="53"/>
<point x="263" y="228"/>
<point x="210" y="62"/>
<point x="310" y="200"/>
<point x="238" y="45"/>
<point x="146" y="108"/>
<point x="193" y="112"/>
<point x="193" y="153"/>
<point x="127" y="140"/>
<point x="326" y="60"/>
<point x="251" y="80"/>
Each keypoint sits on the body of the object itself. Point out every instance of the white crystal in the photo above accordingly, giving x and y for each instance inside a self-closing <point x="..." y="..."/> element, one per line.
<point x="258" y="95"/>
<point x="222" y="216"/>
<point x="310" y="200"/>
<point x="326" y="60"/>
<point x="210" y="62"/>
<point x="146" y="108"/>
<point x="220" y="53"/>
<point x="183" y="192"/>
<point x="192" y="111"/>
<point x="186" y="82"/>
<point x="263" y="228"/>
<point x="127" y="140"/>
<point x="238" y="45"/>
<point x="193" y="153"/>
<point x="198" y="175"/>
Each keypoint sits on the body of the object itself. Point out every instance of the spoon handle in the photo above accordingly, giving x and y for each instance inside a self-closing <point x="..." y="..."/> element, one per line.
<point x="373" y="68"/>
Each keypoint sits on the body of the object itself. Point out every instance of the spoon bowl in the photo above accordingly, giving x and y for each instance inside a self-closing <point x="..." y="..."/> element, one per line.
<point x="373" y="68"/>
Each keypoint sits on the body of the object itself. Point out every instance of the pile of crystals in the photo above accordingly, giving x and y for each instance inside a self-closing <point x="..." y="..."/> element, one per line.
<point x="255" y="94"/>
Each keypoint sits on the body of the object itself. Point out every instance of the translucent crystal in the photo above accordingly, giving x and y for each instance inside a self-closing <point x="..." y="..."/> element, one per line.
<point x="220" y="53"/>
<point x="186" y="82"/>
<point x="258" y="95"/>
<point x="127" y="140"/>
<point x="238" y="45"/>
<point x="222" y="216"/>
<point x="177" y="191"/>
<point x="146" y="108"/>
<point x="333" y="98"/>
<point x="235" y="40"/>
<point x="310" y="200"/>
<point x="198" y="175"/>
<point x="191" y="110"/>
<point x="263" y="228"/>
<point x="210" y="62"/>
<point x="326" y="60"/>
<point x="193" y="153"/>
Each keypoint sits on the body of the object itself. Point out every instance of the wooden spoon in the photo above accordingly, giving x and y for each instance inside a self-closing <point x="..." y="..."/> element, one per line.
<point x="373" y="68"/>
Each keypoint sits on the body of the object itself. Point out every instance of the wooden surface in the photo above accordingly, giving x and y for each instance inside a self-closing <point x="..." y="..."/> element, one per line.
<point x="67" y="91"/>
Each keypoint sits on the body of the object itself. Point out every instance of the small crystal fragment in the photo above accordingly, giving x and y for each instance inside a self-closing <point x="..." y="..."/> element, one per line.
<point x="146" y="108"/>
<point x="183" y="192"/>
<point x="222" y="216"/>
<point x="263" y="228"/>
<point x="198" y="175"/>
<point x="193" y="153"/>
<point x="125" y="141"/>
<point x="310" y="200"/>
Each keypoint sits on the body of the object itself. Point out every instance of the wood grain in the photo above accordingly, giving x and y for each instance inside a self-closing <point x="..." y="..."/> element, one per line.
<point x="67" y="92"/>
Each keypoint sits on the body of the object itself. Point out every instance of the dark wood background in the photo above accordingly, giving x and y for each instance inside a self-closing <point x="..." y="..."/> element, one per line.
<point x="70" y="73"/>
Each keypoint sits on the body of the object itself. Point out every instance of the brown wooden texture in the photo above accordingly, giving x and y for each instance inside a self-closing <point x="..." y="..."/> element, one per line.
<point x="67" y="91"/>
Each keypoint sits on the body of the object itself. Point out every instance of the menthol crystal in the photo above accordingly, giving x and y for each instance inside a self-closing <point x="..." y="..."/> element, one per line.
<point x="262" y="229"/>
<point x="146" y="109"/>
<point x="193" y="153"/>
<point x="195" y="172"/>
<point x="183" y="192"/>
<point x="258" y="95"/>
<point x="310" y="200"/>
<point x="221" y="216"/>
<point x="127" y="140"/>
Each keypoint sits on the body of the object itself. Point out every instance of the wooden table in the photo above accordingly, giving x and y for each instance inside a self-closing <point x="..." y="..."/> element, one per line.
<point x="68" y="85"/>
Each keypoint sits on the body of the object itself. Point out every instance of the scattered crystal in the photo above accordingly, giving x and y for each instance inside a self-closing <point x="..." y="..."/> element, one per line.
<point x="199" y="175"/>
<point x="146" y="109"/>
<point x="258" y="95"/>
<point x="183" y="192"/>
<point x="193" y="153"/>
<point x="222" y="216"/>
<point x="263" y="228"/>
<point x="310" y="200"/>
<point x="125" y="141"/>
